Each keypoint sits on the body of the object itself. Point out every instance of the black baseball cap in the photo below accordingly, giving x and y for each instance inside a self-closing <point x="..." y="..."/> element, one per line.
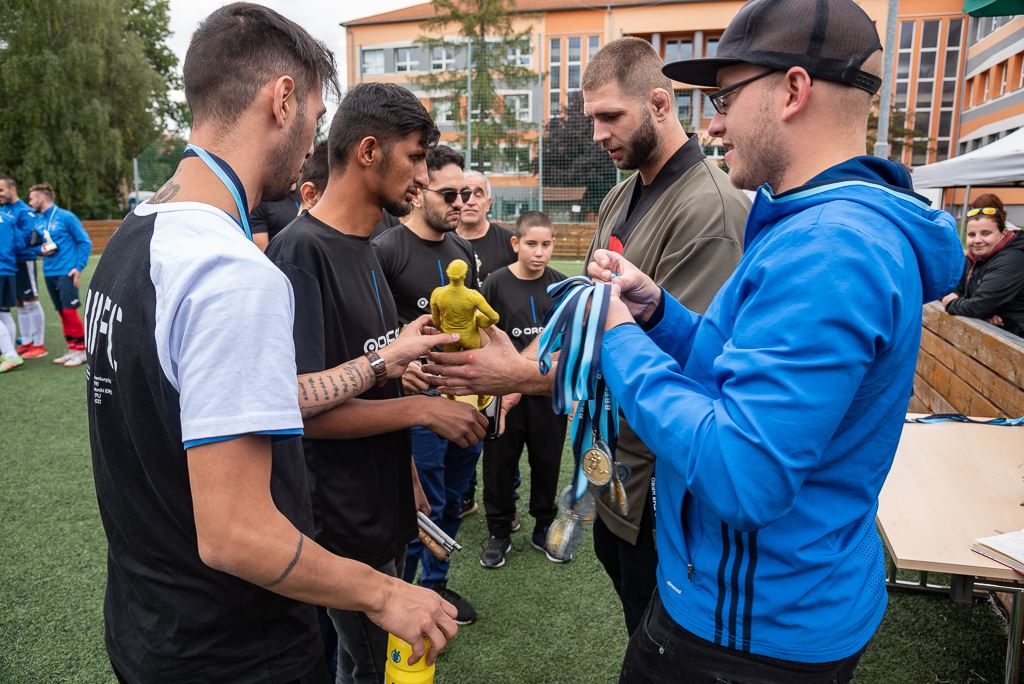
<point x="831" y="39"/>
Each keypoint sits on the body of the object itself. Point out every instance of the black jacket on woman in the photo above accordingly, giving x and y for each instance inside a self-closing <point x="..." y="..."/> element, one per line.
<point x="994" y="285"/>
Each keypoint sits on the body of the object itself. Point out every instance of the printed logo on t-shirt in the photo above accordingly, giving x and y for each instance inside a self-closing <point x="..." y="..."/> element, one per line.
<point x="423" y="303"/>
<point x="377" y="343"/>
<point x="102" y="316"/>
<point x="519" y="332"/>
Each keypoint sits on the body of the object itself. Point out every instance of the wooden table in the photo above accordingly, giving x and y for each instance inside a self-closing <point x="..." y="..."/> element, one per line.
<point x="951" y="483"/>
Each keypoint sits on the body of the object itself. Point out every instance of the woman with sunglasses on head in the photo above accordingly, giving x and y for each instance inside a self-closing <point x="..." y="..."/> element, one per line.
<point x="992" y="287"/>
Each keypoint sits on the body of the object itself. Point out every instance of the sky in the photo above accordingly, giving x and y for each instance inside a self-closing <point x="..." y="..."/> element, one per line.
<point x="320" y="18"/>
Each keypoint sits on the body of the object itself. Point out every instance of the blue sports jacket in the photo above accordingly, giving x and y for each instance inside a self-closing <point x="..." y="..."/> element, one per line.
<point x="10" y="240"/>
<point x="73" y="243"/>
<point x="25" y="223"/>
<point x="774" y="418"/>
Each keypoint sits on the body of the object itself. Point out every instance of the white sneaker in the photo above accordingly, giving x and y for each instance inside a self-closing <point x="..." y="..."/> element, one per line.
<point x="60" y="360"/>
<point x="75" y="358"/>
<point x="9" y="363"/>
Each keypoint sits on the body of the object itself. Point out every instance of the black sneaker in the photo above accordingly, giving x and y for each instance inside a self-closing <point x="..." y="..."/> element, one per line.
<point x="465" y="613"/>
<point x="469" y="507"/>
<point x="494" y="552"/>
<point x="539" y="541"/>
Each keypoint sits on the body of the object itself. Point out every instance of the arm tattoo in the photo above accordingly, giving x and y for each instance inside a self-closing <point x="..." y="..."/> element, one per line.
<point x="291" y="566"/>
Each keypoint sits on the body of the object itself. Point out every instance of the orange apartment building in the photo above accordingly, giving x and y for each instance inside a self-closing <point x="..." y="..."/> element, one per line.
<point x="957" y="79"/>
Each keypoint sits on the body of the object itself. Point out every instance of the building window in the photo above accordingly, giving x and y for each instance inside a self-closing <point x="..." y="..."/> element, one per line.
<point x="373" y="62"/>
<point x="406" y="59"/>
<point x="512" y="160"/>
<point x="950" y="78"/>
<point x="1002" y="77"/>
<point x="712" y="47"/>
<point x="984" y="87"/>
<point x="517" y="106"/>
<point x="442" y="111"/>
<point x="593" y="45"/>
<point x="519" y="56"/>
<point x="573" y="61"/>
<point x="676" y="50"/>
<point x="555" y="85"/>
<point x="441" y="58"/>
<point x="684" y="106"/>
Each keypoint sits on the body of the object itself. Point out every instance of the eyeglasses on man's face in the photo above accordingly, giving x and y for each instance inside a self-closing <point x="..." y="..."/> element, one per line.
<point x="449" y="194"/>
<point x="720" y="99"/>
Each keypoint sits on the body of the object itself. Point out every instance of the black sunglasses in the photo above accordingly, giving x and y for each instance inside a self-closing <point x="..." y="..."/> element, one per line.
<point x="449" y="195"/>
<point x="719" y="100"/>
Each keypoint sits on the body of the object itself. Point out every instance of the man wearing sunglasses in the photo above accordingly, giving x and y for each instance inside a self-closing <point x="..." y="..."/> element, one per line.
<point x="774" y="416"/>
<point x="414" y="258"/>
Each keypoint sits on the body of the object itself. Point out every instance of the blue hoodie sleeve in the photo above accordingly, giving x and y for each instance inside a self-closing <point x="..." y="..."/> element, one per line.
<point x="808" y="319"/>
<point x="83" y="244"/>
<point x="675" y="331"/>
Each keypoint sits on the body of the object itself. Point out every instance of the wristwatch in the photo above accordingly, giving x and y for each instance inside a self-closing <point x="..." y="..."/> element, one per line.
<point x="379" y="368"/>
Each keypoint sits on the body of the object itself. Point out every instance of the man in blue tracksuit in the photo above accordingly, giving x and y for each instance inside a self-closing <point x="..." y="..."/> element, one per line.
<point x="65" y="250"/>
<point x="31" y="319"/>
<point x="774" y="417"/>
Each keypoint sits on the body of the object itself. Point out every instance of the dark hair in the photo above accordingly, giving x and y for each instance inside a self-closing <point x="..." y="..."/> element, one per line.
<point x="315" y="169"/>
<point x="9" y="181"/>
<point x="44" y="188"/>
<point x="238" y="49"/>
<point x="632" y="63"/>
<point x="441" y="156"/>
<point x="385" y="111"/>
<point x="991" y="200"/>
<point x="532" y="219"/>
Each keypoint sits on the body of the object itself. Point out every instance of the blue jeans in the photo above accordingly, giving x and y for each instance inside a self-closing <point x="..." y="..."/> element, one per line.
<point x="444" y="470"/>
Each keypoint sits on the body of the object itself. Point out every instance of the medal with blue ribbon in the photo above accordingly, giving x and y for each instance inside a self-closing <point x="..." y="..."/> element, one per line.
<point x="575" y="327"/>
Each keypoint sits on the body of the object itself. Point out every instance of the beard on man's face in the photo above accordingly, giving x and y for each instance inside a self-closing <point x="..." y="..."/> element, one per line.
<point x="283" y="159"/>
<point x="641" y="144"/>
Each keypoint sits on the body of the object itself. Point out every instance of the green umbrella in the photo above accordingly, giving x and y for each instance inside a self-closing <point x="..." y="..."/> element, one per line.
<point x="993" y="8"/>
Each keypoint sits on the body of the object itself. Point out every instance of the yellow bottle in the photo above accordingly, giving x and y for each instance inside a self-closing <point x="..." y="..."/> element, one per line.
<point x="399" y="671"/>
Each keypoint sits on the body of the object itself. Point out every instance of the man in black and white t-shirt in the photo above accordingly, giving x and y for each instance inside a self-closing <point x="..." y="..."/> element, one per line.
<point x="192" y="375"/>
<point x="414" y="257"/>
<point x="359" y="456"/>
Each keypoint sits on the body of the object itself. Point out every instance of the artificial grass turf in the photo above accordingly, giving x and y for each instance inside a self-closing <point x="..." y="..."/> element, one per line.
<point x="539" y="622"/>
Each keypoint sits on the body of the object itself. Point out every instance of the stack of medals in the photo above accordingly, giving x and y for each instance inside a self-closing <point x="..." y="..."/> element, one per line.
<point x="576" y="327"/>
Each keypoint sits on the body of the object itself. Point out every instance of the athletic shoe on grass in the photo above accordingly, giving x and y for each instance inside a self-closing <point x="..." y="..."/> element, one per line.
<point x="22" y="348"/>
<point x="35" y="351"/>
<point x="516" y="525"/>
<point x="494" y="552"/>
<point x="75" y="358"/>
<point x="60" y="360"/>
<point x="9" y="363"/>
<point x="465" y="615"/>
<point x="539" y="541"/>
<point x="469" y="507"/>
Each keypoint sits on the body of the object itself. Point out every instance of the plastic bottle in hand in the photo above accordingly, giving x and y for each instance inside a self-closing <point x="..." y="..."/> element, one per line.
<point x="49" y="246"/>
<point x="399" y="671"/>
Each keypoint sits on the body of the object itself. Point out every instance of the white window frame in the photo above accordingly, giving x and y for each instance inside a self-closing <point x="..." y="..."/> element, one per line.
<point x="410" y="64"/>
<point x="517" y="94"/>
<point x="443" y="110"/>
<point x="363" y="63"/>
<point x="446" y="61"/>
<point x="520" y="56"/>
<point x="573" y="63"/>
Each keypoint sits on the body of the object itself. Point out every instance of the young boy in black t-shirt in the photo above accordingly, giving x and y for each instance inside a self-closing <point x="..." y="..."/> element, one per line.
<point x="518" y="293"/>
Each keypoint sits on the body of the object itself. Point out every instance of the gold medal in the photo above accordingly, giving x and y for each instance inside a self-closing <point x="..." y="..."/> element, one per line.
<point x="597" y="464"/>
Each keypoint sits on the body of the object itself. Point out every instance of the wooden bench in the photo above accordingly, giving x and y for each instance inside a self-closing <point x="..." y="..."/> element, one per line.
<point x="967" y="366"/>
<point x="100" y="232"/>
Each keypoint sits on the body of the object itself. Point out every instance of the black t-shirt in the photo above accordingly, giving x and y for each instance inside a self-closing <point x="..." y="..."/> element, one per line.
<point x="177" y="354"/>
<point x="386" y="223"/>
<point x="522" y="304"/>
<point x="272" y="217"/>
<point x="493" y="250"/>
<point x="414" y="267"/>
<point x="361" y="488"/>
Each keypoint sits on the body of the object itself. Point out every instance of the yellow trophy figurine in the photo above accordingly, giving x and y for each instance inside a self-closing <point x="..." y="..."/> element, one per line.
<point x="459" y="309"/>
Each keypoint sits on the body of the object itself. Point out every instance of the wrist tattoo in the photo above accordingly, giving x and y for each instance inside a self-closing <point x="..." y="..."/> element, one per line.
<point x="291" y="566"/>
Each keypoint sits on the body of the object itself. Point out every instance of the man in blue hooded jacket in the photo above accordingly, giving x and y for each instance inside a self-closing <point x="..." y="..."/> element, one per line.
<point x="774" y="417"/>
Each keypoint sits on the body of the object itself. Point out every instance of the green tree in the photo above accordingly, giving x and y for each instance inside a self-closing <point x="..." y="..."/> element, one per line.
<point x="573" y="159"/>
<point x="85" y="91"/>
<point x="900" y="137"/>
<point x="487" y="29"/>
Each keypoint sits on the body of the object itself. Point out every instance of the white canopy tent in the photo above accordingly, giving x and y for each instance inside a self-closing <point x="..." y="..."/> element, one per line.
<point x="998" y="163"/>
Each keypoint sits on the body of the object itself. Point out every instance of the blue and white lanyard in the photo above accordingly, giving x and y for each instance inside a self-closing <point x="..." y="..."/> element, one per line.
<point x="577" y="332"/>
<point x="960" y="418"/>
<point x="230" y="180"/>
